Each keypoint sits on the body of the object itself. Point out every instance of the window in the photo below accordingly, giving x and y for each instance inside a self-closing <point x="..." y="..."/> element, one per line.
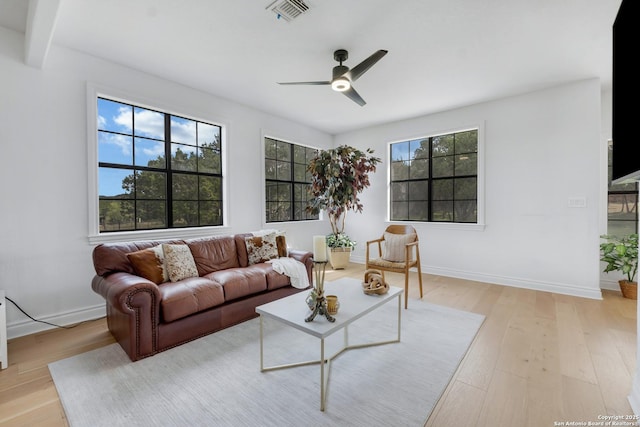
<point x="156" y="170"/>
<point x="435" y="179"/>
<point x="286" y="180"/>
<point x="622" y="206"/>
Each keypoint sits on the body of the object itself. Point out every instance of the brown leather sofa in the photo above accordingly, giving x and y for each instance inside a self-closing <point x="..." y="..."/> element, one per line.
<point x="147" y="317"/>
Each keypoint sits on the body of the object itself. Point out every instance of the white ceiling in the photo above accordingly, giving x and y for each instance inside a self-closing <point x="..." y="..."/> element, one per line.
<point x="442" y="53"/>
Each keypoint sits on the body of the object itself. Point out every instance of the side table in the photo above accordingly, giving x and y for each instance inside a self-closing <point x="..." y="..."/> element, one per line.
<point x="4" y="361"/>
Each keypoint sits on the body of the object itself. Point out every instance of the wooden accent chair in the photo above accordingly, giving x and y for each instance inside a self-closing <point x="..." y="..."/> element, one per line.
<point x="398" y="251"/>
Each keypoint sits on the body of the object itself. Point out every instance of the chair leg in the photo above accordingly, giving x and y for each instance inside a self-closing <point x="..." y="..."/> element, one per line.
<point x="420" y="279"/>
<point x="406" y="288"/>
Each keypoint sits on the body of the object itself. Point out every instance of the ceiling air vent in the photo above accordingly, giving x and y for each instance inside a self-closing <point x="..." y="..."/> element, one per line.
<point x="288" y="9"/>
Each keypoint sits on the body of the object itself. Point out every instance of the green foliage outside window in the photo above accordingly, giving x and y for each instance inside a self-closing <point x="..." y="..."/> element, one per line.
<point x="435" y="179"/>
<point x="286" y="180"/>
<point x="138" y="188"/>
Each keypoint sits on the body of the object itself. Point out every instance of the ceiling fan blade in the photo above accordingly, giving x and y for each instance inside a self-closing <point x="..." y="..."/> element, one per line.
<point x="305" y="83"/>
<point x="362" y="67"/>
<point x="354" y="96"/>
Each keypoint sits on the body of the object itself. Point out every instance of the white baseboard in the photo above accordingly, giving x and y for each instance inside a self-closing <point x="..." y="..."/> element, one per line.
<point x="28" y="326"/>
<point x="558" y="288"/>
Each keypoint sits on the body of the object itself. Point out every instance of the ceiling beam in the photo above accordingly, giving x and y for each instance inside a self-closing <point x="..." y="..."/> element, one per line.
<point x="41" y="21"/>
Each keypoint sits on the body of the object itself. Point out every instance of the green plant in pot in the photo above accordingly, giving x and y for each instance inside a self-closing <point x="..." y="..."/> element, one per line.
<point x="337" y="177"/>
<point x="621" y="254"/>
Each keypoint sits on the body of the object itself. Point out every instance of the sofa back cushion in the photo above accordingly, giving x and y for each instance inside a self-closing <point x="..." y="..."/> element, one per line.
<point x="214" y="253"/>
<point x="241" y="247"/>
<point x="112" y="257"/>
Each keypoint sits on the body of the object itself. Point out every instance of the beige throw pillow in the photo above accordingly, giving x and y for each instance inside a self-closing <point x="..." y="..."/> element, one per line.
<point x="179" y="262"/>
<point x="394" y="246"/>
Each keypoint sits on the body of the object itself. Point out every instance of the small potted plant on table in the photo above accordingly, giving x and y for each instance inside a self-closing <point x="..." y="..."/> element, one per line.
<point x="621" y="254"/>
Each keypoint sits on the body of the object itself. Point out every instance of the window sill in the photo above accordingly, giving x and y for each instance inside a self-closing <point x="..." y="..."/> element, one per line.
<point x="442" y="225"/>
<point x="174" y="233"/>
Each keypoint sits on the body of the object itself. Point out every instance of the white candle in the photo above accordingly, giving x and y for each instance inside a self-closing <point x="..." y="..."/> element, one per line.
<point x="319" y="248"/>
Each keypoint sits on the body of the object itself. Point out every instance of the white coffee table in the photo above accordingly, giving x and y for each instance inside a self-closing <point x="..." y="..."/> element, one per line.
<point x="354" y="304"/>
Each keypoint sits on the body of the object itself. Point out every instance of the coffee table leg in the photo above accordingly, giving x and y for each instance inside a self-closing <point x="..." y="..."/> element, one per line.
<point x="322" y="388"/>
<point x="261" y="347"/>
<point x="399" y="314"/>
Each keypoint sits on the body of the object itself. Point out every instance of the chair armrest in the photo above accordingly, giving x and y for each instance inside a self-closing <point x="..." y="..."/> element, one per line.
<point x="378" y="241"/>
<point x="411" y="247"/>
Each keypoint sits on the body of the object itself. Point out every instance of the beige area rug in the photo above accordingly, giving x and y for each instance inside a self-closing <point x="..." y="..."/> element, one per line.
<point x="216" y="380"/>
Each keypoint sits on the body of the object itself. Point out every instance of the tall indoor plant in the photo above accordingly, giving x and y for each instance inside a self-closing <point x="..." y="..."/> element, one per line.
<point x="337" y="177"/>
<point x="621" y="254"/>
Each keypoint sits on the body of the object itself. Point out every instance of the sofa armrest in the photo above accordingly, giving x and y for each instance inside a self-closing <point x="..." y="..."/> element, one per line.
<point x="133" y="311"/>
<point x="304" y="257"/>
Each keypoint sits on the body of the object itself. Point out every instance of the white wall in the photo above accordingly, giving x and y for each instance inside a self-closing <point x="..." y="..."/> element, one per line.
<point x="541" y="149"/>
<point x="45" y="257"/>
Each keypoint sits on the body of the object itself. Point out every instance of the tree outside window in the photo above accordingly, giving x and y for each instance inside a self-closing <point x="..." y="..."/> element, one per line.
<point x="434" y="179"/>
<point x="156" y="170"/>
<point x="622" y="206"/>
<point x="286" y="180"/>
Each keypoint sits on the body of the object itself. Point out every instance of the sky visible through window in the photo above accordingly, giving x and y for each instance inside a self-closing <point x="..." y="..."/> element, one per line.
<point x="149" y="138"/>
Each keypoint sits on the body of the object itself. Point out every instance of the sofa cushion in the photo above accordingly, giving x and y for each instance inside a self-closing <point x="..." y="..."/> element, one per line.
<point x="261" y="248"/>
<point x="189" y="296"/>
<point x="179" y="262"/>
<point x="275" y="280"/>
<point x="149" y="263"/>
<point x="241" y="247"/>
<point x="214" y="253"/>
<point x="240" y="282"/>
<point x="281" y="243"/>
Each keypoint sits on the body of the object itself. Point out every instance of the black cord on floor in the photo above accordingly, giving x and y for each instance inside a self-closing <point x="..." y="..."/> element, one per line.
<point x="43" y="321"/>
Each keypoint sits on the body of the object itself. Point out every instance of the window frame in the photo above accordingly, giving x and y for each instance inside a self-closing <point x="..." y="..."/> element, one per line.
<point x="265" y="222"/>
<point x="95" y="236"/>
<point x="620" y="190"/>
<point x="479" y="225"/>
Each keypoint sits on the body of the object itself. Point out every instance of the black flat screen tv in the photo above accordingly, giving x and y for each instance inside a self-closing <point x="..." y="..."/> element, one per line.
<point x="626" y="114"/>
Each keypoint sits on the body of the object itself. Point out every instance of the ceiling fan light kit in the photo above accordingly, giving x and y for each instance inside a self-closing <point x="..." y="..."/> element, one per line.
<point x="340" y="84"/>
<point x="343" y="77"/>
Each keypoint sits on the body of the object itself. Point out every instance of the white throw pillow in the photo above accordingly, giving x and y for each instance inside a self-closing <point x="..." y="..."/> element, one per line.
<point x="394" y="246"/>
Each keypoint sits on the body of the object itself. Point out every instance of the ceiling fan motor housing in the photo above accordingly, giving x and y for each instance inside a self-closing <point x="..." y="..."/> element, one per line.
<point x="339" y="70"/>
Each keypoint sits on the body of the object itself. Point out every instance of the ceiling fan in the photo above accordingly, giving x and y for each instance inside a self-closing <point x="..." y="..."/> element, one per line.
<point x="343" y="77"/>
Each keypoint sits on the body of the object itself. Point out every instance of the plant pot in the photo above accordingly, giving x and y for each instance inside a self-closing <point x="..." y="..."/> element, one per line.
<point x="629" y="289"/>
<point x="339" y="257"/>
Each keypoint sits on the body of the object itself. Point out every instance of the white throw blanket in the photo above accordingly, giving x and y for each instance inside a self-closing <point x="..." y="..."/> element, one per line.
<point x="292" y="268"/>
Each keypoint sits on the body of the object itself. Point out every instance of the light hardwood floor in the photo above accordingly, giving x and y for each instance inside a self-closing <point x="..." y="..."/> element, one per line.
<point x="539" y="358"/>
